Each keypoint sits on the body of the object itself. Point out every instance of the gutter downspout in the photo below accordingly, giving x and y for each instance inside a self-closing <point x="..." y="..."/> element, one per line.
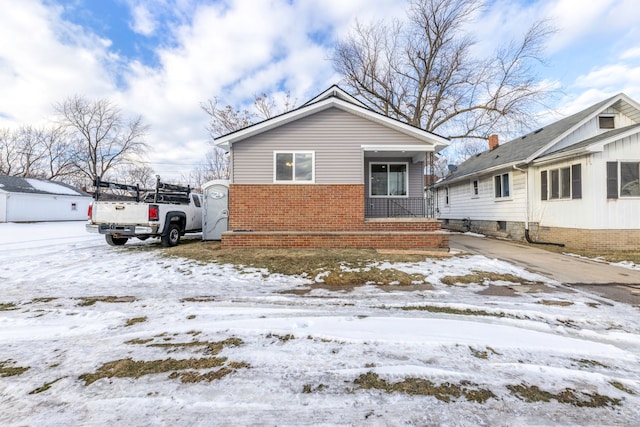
<point x="526" y="215"/>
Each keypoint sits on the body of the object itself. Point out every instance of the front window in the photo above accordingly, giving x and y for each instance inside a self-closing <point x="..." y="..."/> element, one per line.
<point x="502" y="186"/>
<point x="389" y="179"/>
<point x="294" y="167"/>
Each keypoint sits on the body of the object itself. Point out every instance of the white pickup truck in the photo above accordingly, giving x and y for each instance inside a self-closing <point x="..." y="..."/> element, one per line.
<point x="168" y="212"/>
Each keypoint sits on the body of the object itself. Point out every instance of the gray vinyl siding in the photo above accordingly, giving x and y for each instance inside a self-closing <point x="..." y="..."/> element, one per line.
<point x="416" y="174"/>
<point x="335" y="136"/>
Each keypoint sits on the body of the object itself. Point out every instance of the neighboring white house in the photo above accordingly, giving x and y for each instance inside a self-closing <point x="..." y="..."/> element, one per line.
<point x="32" y="199"/>
<point x="573" y="182"/>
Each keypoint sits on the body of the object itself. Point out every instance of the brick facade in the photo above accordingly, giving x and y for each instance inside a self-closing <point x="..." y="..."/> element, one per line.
<point x="319" y="216"/>
<point x="593" y="240"/>
<point x="572" y="238"/>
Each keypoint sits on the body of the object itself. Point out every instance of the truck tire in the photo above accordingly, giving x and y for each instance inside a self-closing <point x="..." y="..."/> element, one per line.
<point x="115" y="241"/>
<point x="172" y="236"/>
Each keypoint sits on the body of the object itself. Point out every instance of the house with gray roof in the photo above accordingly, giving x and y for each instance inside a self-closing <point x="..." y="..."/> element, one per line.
<point x="573" y="182"/>
<point x="34" y="199"/>
<point x="332" y="173"/>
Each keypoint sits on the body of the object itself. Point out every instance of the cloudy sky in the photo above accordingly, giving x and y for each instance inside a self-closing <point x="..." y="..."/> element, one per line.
<point x="162" y="58"/>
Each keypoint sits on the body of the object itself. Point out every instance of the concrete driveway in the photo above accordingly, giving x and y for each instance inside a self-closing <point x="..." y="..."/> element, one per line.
<point x="616" y="283"/>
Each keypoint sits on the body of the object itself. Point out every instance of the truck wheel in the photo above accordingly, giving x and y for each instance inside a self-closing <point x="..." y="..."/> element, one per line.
<point x="115" y="241"/>
<point x="172" y="236"/>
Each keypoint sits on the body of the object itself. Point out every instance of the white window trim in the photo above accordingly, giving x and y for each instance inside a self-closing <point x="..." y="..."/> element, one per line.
<point x="406" y="178"/>
<point x="501" y="198"/>
<point x="620" y="196"/>
<point x="611" y="115"/>
<point x="293" y="180"/>
<point x="473" y="193"/>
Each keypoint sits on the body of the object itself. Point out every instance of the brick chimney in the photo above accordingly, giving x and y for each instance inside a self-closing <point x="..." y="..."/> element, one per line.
<point x="493" y="142"/>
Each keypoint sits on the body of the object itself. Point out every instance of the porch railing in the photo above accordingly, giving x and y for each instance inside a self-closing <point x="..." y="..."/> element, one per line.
<point x="405" y="207"/>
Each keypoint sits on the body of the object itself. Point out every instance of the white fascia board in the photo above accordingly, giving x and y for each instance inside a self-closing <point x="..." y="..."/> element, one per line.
<point x="397" y="148"/>
<point x="576" y="126"/>
<point x="336" y="91"/>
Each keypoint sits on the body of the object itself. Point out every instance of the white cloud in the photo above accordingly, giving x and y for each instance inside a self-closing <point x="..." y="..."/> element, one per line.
<point x="44" y="59"/>
<point x="143" y="21"/>
<point x="236" y="48"/>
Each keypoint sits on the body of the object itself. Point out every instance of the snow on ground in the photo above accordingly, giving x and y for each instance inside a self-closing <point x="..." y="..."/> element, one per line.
<point x="303" y="355"/>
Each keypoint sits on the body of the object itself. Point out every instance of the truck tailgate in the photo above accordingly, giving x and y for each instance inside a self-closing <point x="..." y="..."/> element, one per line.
<point x="120" y="213"/>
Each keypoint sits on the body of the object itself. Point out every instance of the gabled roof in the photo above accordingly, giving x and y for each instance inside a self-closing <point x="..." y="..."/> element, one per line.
<point x="15" y="184"/>
<point x="334" y="97"/>
<point x="525" y="149"/>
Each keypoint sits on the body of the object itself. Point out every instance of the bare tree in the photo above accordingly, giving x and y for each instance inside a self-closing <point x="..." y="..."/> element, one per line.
<point x="227" y="119"/>
<point x="102" y="136"/>
<point x="422" y="71"/>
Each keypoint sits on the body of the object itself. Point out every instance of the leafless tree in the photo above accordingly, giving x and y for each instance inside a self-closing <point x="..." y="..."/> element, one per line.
<point x="227" y="119"/>
<point x="423" y="72"/>
<point x="103" y="138"/>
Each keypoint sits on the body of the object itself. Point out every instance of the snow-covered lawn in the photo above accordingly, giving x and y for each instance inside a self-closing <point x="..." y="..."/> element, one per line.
<point x="237" y="348"/>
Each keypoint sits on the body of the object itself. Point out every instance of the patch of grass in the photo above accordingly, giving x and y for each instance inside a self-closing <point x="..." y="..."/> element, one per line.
<point x="196" y="377"/>
<point x="139" y="341"/>
<point x="480" y="354"/>
<point x="480" y="277"/>
<point x="44" y="387"/>
<point x="45" y="299"/>
<point x="308" y="388"/>
<point x="87" y="301"/>
<point x="451" y="310"/>
<point x="282" y="338"/>
<point x="554" y="302"/>
<point x="129" y="368"/>
<point x="7" y="369"/>
<point x="445" y="392"/>
<point x="210" y="347"/>
<point x="198" y="299"/>
<point x="608" y="256"/>
<point x="621" y="387"/>
<point x="287" y="261"/>
<point x="6" y="306"/>
<point x="592" y="363"/>
<point x="135" y="320"/>
<point x="568" y="396"/>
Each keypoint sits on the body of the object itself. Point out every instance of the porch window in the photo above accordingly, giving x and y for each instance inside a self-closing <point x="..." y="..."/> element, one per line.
<point x="389" y="179"/>
<point x="294" y="166"/>
<point x="501" y="186"/>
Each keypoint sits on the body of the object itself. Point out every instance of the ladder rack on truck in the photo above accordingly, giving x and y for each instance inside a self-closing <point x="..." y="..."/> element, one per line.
<point x="163" y="193"/>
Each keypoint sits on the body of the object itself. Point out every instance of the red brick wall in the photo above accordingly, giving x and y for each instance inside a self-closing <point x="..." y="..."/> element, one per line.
<point x="296" y="207"/>
<point x="319" y="216"/>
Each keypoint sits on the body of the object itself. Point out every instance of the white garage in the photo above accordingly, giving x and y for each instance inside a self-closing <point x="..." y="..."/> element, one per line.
<point x="32" y="200"/>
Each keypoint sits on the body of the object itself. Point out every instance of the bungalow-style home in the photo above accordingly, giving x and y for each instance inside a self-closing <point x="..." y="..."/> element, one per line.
<point x="573" y="182"/>
<point x="34" y="199"/>
<point x="332" y="173"/>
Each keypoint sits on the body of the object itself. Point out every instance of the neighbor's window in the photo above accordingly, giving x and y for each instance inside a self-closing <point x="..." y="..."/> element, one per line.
<point x="389" y="179"/>
<point x="501" y="185"/>
<point x="295" y="167"/>
<point x="562" y="183"/>
<point x="606" y="122"/>
<point x="627" y="183"/>
<point x="446" y="196"/>
<point x="475" y="188"/>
